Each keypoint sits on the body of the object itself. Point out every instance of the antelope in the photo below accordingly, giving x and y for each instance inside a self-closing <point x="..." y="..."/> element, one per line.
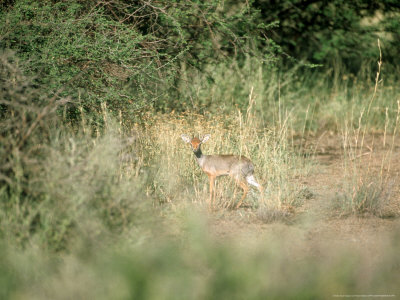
<point x="240" y="168"/>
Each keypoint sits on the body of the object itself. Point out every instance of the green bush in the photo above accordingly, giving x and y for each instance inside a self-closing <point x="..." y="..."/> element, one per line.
<point x="338" y="34"/>
<point x="127" y="54"/>
<point x="56" y="181"/>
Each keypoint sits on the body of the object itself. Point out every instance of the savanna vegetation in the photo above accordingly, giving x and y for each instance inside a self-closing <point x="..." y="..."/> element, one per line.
<point x="101" y="199"/>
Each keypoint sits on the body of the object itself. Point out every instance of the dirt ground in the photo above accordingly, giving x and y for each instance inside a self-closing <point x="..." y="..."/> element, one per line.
<point x="315" y="228"/>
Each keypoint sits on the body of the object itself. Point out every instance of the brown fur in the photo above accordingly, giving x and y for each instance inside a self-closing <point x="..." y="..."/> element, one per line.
<point x="238" y="167"/>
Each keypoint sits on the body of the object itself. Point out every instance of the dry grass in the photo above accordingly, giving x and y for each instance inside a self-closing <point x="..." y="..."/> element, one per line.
<point x="366" y="189"/>
<point x="118" y="212"/>
<point x="177" y="176"/>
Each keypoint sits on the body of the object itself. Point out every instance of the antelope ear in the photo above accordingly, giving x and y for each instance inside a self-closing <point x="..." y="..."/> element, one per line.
<point x="185" y="138"/>
<point x="205" y="138"/>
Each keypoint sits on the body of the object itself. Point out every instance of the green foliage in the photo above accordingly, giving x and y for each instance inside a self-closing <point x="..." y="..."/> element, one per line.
<point x="101" y="212"/>
<point x="200" y="267"/>
<point x="334" y="32"/>
<point x="127" y="54"/>
<point x="57" y="182"/>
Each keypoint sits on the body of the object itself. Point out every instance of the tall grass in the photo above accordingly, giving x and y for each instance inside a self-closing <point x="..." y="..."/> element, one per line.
<point x="109" y="211"/>
<point x="310" y="101"/>
<point x="368" y="183"/>
<point x="59" y="182"/>
<point x="177" y="177"/>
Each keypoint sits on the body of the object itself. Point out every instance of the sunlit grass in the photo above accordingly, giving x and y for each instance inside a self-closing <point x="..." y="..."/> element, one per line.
<point x="120" y="211"/>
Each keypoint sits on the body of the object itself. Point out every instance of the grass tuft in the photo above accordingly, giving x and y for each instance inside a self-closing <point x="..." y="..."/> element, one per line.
<point x="367" y="197"/>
